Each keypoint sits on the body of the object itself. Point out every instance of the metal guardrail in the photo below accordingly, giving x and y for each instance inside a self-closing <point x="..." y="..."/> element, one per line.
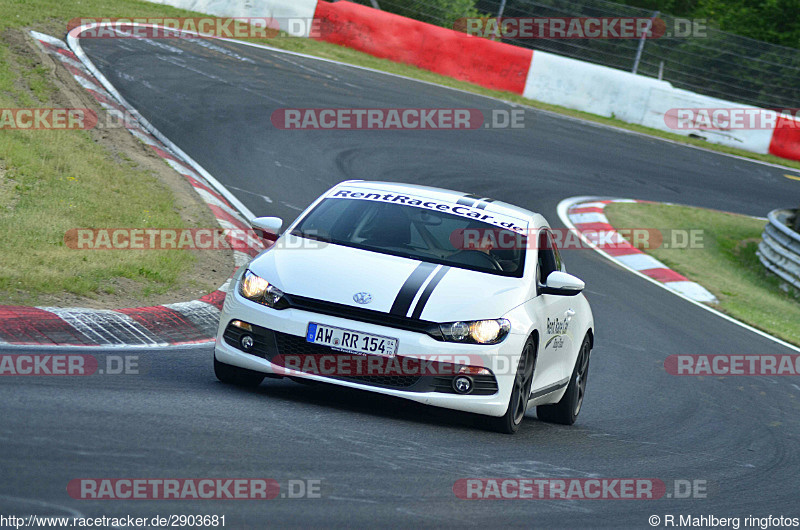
<point x="779" y="249"/>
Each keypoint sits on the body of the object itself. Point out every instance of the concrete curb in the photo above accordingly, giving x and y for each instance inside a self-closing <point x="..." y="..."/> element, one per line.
<point x="589" y="217"/>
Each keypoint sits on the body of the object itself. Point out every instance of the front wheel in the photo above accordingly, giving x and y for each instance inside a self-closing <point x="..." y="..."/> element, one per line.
<point x="566" y="411"/>
<point x="518" y="403"/>
<point x="233" y="375"/>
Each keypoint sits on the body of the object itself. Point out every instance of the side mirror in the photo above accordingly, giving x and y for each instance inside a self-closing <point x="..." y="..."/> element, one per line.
<point x="562" y="284"/>
<point x="270" y="226"/>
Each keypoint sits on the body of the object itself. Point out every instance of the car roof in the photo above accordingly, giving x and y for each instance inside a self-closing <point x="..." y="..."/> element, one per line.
<point x="488" y="204"/>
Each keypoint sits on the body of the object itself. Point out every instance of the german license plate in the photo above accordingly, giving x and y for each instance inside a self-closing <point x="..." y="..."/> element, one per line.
<point x="350" y="341"/>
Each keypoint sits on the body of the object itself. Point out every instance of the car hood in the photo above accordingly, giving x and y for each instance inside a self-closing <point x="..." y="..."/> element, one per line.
<point x="336" y="273"/>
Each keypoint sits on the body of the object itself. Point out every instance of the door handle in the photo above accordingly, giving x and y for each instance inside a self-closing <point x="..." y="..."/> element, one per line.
<point x="569" y="313"/>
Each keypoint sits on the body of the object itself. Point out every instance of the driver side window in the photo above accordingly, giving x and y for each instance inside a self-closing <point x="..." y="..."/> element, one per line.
<point x="548" y="258"/>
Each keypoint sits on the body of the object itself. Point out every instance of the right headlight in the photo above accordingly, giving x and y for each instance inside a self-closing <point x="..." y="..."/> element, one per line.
<point x="257" y="289"/>
<point x="476" y="331"/>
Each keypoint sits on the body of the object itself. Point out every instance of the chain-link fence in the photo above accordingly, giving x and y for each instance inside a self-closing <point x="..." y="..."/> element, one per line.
<point x="717" y="64"/>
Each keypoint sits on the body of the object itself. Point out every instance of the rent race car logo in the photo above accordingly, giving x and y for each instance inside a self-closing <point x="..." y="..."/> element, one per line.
<point x="465" y="207"/>
<point x="557" y="326"/>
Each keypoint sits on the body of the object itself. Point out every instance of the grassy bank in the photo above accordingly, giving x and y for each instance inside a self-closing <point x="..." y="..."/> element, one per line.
<point x="726" y="264"/>
<point x="55" y="180"/>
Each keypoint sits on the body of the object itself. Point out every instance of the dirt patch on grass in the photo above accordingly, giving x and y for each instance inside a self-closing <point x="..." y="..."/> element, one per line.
<point x="210" y="268"/>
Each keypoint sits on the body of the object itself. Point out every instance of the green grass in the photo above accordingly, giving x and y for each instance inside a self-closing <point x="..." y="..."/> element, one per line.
<point x="52" y="181"/>
<point x="56" y="181"/>
<point x="726" y="264"/>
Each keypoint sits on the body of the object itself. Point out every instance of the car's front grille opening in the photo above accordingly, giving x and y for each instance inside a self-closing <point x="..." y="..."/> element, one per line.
<point x="292" y="345"/>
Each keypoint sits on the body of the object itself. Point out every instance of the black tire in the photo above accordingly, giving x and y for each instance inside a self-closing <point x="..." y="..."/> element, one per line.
<point x="566" y="411"/>
<point x="233" y="375"/>
<point x="518" y="402"/>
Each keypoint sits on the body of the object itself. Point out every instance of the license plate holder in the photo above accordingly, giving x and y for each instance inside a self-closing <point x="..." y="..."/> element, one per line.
<point x="351" y="341"/>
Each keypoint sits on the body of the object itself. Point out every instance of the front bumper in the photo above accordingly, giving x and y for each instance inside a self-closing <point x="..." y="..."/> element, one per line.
<point x="278" y="333"/>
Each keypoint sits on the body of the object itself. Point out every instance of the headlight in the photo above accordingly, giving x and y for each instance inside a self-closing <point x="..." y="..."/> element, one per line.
<point x="259" y="290"/>
<point x="477" y="332"/>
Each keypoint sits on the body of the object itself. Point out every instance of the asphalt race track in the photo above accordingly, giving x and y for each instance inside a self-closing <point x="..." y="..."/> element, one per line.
<point x="388" y="462"/>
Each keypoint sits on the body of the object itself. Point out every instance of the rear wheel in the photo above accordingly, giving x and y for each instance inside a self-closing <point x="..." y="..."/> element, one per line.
<point x="233" y="375"/>
<point x="566" y="411"/>
<point x="518" y="403"/>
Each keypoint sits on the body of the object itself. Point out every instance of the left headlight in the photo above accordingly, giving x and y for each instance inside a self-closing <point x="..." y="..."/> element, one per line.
<point x="259" y="290"/>
<point x="476" y="331"/>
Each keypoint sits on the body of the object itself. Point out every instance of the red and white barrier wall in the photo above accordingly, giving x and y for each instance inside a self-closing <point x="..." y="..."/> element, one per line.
<point x="487" y="63"/>
<point x="536" y="75"/>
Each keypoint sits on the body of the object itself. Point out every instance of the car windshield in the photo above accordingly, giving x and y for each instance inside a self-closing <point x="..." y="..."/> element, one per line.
<point x="417" y="233"/>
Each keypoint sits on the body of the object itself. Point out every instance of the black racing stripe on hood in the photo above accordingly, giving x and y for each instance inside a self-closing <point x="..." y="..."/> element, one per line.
<point x="409" y="290"/>
<point x="423" y="299"/>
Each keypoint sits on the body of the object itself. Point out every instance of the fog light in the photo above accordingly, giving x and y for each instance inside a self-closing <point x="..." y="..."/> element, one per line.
<point x="247" y="342"/>
<point x="462" y="384"/>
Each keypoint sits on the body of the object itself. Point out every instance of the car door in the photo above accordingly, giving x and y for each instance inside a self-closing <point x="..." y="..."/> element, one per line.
<point x="555" y="314"/>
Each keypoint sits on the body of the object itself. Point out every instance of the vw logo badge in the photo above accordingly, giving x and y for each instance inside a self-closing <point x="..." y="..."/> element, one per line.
<point x="362" y="298"/>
